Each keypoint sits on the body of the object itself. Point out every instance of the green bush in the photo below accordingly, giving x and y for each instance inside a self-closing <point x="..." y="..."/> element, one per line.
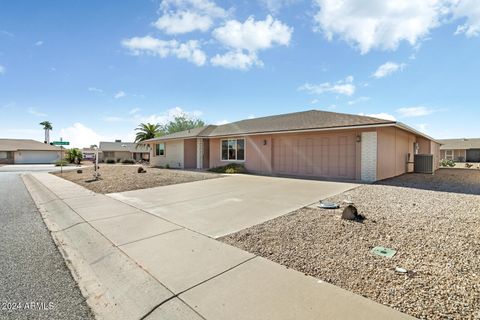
<point x="74" y="155"/>
<point x="230" y="168"/>
<point x="167" y="166"/>
<point x="59" y="163"/>
<point x="128" y="161"/>
<point x="447" y="163"/>
<point x="110" y="161"/>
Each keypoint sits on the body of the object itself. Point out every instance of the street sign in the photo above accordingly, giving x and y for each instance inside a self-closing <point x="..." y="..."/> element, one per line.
<point x="61" y="143"/>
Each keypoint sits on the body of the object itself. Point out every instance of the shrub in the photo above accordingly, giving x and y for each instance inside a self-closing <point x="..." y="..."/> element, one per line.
<point x="74" y="155"/>
<point x="447" y="163"/>
<point x="128" y="161"/>
<point x="167" y="166"/>
<point x="59" y="163"/>
<point x="119" y="160"/>
<point x="110" y="161"/>
<point x="230" y="168"/>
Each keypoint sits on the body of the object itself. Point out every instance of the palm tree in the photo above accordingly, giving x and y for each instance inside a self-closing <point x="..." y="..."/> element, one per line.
<point x="47" y="126"/>
<point x="148" y="131"/>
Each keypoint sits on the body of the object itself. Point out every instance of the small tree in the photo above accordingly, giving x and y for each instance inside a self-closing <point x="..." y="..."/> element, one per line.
<point x="74" y="156"/>
<point x="147" y="131"/>
<point x="182" y="123"/>
<point x="47" y="126"/>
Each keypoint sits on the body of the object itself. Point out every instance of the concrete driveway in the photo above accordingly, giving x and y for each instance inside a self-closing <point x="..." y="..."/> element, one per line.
<point x="218" y="207"/>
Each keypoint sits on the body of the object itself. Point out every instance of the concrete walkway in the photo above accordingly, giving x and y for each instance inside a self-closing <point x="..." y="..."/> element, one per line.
<point x="134" y="265"/>
<point x="217" y="207"/>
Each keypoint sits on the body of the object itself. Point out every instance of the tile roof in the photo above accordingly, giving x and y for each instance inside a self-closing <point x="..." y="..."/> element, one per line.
<point x="305" y="120"/>
<point x="465" y="143"/>
<point x="25" y="144"/>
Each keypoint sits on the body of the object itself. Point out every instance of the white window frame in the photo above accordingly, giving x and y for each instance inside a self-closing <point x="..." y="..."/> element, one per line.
<point x="236" y="143"/>
<point x="164" y="149"/>
<point x="451" y="156"/>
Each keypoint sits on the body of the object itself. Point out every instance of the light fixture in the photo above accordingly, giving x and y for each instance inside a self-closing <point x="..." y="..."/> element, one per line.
<point x="359" y="138"/>
<point x="264" y="142"/>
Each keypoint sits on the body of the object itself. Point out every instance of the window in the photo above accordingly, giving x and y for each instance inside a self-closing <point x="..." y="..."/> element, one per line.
<point x="233" y="149"/>
<point x="449" y="154"/>
<point x="160" y="149"/>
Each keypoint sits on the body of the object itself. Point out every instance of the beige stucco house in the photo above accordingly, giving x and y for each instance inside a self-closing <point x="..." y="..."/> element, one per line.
<point x="120" y="151"/>
<point x="310" y="144"/>
<point x="26" y="151"/>
<point x="461" y="150"/>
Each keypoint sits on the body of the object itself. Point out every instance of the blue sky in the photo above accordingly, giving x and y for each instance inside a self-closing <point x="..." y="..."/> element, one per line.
<point x="96" y="69"/>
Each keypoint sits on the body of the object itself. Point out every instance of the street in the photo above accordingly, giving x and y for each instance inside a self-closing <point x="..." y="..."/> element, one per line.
<point x="35" y="282"/>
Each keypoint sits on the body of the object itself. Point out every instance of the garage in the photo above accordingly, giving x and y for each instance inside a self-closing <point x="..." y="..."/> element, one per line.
<point x="320" y="155"/>
<point x="473" y="155"/>
<point x="33" y="157"/>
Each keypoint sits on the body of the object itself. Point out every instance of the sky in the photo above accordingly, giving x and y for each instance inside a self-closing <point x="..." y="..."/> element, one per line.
<point x="96" y="69"/>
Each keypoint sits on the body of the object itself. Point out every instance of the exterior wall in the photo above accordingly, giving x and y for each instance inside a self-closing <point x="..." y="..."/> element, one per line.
<point x="206" y="154"/>
<point x="6" y="157"/>
<point x="394" y="148"/>
<point x="435" y="150"/>
<point x="424" y="146"/>
<point x="189" y="153"/>
<point x="258" y="156"/>
<point x="459" y="155"/>
<point x="36" y="157"/>
<point x="122" y="155"/>
<point x="174" y="152"/>
<point x="369" y="156"/>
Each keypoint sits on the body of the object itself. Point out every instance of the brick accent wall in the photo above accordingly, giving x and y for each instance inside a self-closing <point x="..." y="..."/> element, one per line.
<point x="369" y="156"/>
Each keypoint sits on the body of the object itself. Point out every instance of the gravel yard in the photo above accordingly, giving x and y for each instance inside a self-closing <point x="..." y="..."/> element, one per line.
<point x="436" y="235"/>
<point x="119" y="178"/>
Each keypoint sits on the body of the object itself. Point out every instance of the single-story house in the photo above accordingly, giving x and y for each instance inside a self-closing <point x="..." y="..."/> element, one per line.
<point x="461" y="150"/>
<point x="310" y="143"/>
<point x="120" y="151"/>
<point x="23" y="151"/>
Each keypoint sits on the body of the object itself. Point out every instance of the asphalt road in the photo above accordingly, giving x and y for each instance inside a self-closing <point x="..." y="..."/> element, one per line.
<point x="34" y="278"/>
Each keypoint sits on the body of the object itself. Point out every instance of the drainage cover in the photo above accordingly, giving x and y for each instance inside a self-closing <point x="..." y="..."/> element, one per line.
<point x="328" y="205"/>
<point x="384" y="252"/>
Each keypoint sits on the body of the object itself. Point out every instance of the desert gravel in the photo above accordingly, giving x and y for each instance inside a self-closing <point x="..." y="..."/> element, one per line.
<point x="436" y="235"/>
<point x="119" y="178"/>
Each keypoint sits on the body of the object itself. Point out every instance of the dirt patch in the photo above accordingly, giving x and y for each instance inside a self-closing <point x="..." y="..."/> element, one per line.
<point x="436" y="235"/>
<point x="119" y="178"/>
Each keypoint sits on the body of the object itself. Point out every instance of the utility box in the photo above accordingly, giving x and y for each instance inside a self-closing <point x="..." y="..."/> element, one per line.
<point x="423" y="163"/>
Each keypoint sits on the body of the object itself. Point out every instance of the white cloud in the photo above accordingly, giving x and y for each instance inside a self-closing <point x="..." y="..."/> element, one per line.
<point x="148" y="45"/>
<point x="387" y="69"/>
<point x="183" y="22"/>
<point x="253" y="35"/>
<point x="358" y="100"/>
<point x="96" y="90"/>
<point x="2" y="69"/>
<point x="470" y="9"/>
<point x="222" y="122"/>
<point x="134" y="111"/>
<point x="379" y="24"/>
<point x="415" y="111"/>
<point x="381" y="115"/>
<point x="34" y="112"/>
<point x="183" y="16"/>
<point x="423" y="127"/>
<point x="120" y="94"/>
<point x="245" y="39"/>
<point x="5" y="32"/>
<point x="344" y="87"/>
<point x="81" y="136"/>
<point x="39" y="43"/>
<point x="236" y="60"/>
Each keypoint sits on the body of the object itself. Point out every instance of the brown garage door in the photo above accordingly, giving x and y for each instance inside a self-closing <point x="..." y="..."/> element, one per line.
<point x="321" y="155"/>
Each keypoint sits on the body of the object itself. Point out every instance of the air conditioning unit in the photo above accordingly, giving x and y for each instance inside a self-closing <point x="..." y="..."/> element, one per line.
<point x="423" y="163"/>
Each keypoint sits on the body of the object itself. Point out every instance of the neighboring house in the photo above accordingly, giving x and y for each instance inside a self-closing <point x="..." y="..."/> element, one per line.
<point x="461" y="150"/>
<point x="22" y="151"/>
<point x="120" y="151"/>
<point x="90" y="153"/>
<point x="311" y="143"/>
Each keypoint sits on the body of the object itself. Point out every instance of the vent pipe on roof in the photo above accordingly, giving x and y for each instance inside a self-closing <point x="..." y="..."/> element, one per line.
<point x="118" y="140"/>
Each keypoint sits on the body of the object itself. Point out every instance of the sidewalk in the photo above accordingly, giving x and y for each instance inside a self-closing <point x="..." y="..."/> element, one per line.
<point x="133" y="265"/>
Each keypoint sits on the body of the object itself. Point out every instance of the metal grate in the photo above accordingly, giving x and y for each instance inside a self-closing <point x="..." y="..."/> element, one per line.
<point x="423" y="163"/>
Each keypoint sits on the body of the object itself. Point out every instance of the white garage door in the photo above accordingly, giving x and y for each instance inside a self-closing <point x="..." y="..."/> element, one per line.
<point x="321" y="155"/>
<point x="25" y="157"/>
